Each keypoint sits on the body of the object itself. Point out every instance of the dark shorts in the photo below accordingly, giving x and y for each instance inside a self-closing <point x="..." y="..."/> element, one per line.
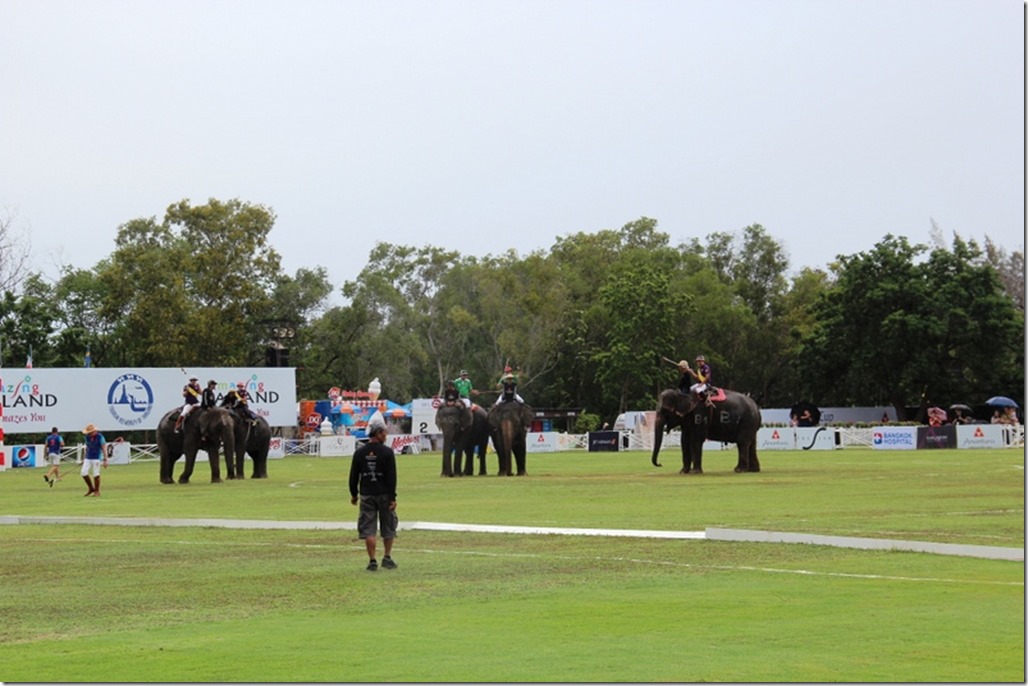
<point x="374" y="510"/>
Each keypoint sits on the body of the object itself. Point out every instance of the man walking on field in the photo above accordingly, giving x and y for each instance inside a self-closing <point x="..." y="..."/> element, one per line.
<point x="373" y="482"/>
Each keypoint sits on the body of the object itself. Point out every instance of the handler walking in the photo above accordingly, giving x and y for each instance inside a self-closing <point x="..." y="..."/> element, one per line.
<point x="373" y="482"/>
<point x="96" y="449"/>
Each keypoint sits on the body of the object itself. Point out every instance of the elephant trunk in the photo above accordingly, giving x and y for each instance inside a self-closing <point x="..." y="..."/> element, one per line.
<point x="658" y="438"/>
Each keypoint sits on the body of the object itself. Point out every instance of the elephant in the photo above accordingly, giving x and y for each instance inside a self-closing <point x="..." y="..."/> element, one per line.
<point x="463" y="432"/>
<point x="734" y="418"/>
<point x="253" y="439"/>
<point x="206" y="429"/>
<point x="508" y="425"/>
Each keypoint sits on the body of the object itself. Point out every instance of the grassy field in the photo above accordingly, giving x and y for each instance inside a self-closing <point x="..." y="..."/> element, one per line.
<point x="105" y="603"/>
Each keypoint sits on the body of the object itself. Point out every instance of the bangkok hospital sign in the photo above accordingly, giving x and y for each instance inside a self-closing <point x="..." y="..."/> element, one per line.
<point x="131" y="398"/>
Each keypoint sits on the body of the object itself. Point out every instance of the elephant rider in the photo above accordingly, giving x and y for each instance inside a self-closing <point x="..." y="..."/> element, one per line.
<point x="465" y="387"/>
<point x="209" y="399"/>
<point x="701" y="375"/>
<point x="451" y="395"/>
<point x="508" y="384"/>
<point x="238" y="400"/>
<point x="192" y="394"/>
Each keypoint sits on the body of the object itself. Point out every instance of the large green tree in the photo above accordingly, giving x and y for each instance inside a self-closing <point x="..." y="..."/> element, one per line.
<point x="896" y="328"/>
<point x="193" y="289"/>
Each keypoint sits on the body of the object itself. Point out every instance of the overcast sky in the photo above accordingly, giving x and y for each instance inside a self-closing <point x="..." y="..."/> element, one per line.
<point x="488" y="125"/>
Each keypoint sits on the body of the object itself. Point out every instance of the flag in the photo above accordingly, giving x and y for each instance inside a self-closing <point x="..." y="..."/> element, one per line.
<point x="28" y="362"/>
<point x="89" y="358"/>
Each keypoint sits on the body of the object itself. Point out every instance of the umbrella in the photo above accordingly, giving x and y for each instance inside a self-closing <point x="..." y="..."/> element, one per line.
<point x="815" y="413"/>
<point x="961" y="407"/>
<point x="1001" y="401"/>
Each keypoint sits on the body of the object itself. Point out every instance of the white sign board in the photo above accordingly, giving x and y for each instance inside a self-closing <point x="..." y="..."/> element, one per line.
<point x="772" y="438"/>
<point x="542" y="442"/>
<point x="131" y="398"/>
<point x="980" y="436"/>
<point x="815" y="438"/>
<point x="336" y="446"/>
<point x="894" y="438"/>
<point x="422" y="412"/>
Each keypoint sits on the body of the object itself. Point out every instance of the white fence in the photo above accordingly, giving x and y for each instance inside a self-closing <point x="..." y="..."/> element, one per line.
<point x="770" y="438"/>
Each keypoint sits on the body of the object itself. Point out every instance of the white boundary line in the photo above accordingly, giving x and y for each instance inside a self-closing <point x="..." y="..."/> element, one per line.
<point x="711" y="533"/>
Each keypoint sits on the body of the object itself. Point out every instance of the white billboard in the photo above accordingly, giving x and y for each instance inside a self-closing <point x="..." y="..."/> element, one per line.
<point x="131" y="398"/>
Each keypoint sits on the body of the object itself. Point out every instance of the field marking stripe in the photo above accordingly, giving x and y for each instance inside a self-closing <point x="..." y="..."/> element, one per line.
<point x="711" y="533"/>
<point x="632" y="560"/>
<point x="983" y="551"/>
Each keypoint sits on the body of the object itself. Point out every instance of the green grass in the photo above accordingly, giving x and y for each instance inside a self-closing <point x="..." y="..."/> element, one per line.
<point x="95" y="603"/>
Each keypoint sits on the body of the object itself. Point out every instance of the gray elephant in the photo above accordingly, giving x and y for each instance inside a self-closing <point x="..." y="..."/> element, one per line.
<point x="253" y="439"/>
<point x="204" y="429"/>
<point x="463" y="431"/>
<point x="732" y="417"/>
<point x="508" y="425"/>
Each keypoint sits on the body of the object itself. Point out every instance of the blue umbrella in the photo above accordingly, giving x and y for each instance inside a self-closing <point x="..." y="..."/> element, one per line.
<point x="1001" y="401"/>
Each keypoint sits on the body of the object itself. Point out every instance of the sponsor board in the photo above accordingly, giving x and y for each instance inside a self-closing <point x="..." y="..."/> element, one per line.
<point x="894" y="437"/>
<point x="937" y="436"/>
<point x="772" y="438"/>
<point x="126" y="399"/>
<point x="604" y="441"/>
<point x="815" y="438"/>
<point x="980" y="436"/>
<point x="277" y="448"/>
<point x="542" y="442"/>
<point x="26" y="456"/>
<point x="336" y="446"/>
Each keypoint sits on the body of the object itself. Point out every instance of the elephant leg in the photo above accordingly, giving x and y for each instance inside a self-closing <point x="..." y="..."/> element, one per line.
<point x="235" y="470"/>
<point x="167" y="470"/>
<point x="519" y="455"/>
<point x="215" y="465"/>
<point x="481" y="460"/>
<point x="260" y="466"/>
<point x="187" y="472"/>
<point x="447" y="469"/>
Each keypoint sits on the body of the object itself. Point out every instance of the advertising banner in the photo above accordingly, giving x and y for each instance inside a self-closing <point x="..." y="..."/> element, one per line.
<point x="27" y="456"/>
<point x="337" y="446"/>
<point x="894" y="437"/>
<point x="131" y="398"/>
<point x="772" y="438"/>
<point x="815" y="438"/>
<point x="604" y="441"/>
<point x="542" y="442"/>
<point x="937" y="436"/>
<point x="980" y="436"/>
<point x="422" y="412"/>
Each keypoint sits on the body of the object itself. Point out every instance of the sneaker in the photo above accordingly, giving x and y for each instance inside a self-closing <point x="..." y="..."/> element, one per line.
<point x="387" y="563"/>
<point x="373" y="566"/>
<point x="46" y="479"/>
<point x="51" y="481"/>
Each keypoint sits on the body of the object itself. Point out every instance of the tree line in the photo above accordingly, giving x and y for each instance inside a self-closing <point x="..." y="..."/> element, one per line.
<point x="586" y="323"/>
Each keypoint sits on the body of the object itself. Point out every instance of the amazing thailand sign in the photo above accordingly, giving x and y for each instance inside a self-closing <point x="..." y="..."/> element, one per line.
<point x="131" y="398"/>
